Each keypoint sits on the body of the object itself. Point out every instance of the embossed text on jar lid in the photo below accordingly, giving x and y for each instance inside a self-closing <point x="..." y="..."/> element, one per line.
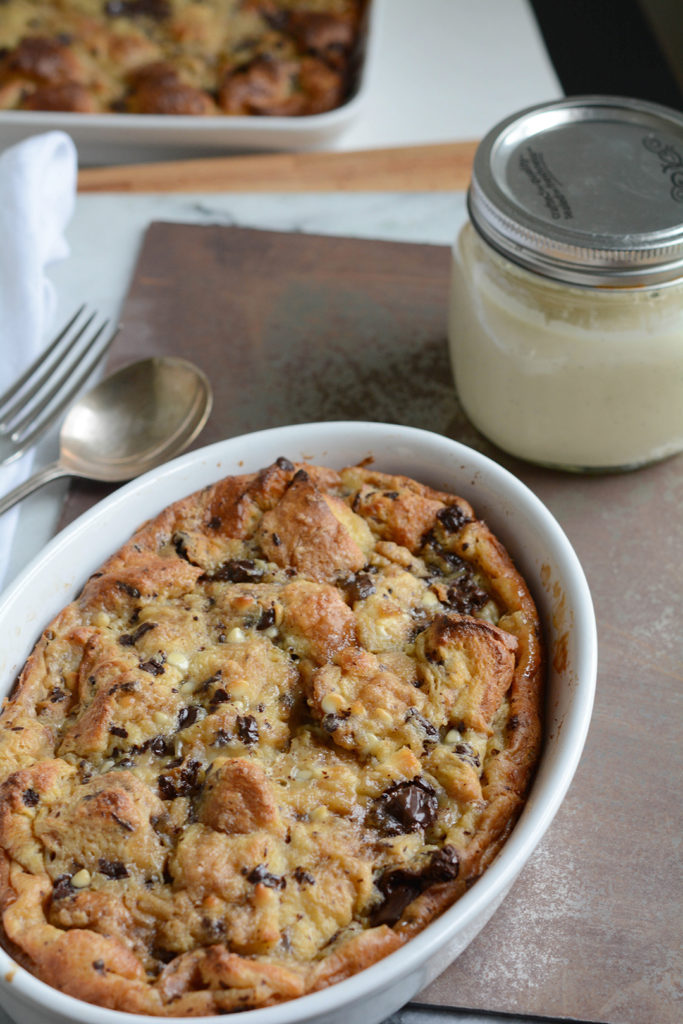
<point x="587" y="190"/>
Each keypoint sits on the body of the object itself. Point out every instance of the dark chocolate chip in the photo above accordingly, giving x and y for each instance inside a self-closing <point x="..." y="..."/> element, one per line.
<point x="223" y="738"/>
<point x="98" y="965"/>
<point x="126" y="825"/>
<point x="159" y="746"/>
<point x="112" y="868"/>
<point x="283" y="463"/>
<point x="431" y="734"/>
<point x="62" y="887"/>
<point x="467" y="753"/>
<point x="399" y="888"/>
<point x="156" y="9"/>
<point x="210" y="681"/>
<point x="155" y="666"/>
<point x="167" y="789"/>
<point x="452" y="518"/>
<point x="184" y="783"/>
<point x="237" y="570"/>
<point x="406" y="807"/>
<point x="465" y="595"/>
<point x="187" y="781"/>
<point x="214" y="930"/>
<point x="127" y="588"/>
<point x="187" y="716"/>
<point x="360" y="587"/>
<point x="130" y="687"/>
<point x="129" y="639"/>
<point x="118" y="730"/>
<point x="247" y="729"/>
<point x="180" y="544"/>
<point x="267" y="619"/>
<point x="30" y="797"/>
<point x="303" y="877"/>
<point x="444" y="865"/>
<point x="261" y="874"/>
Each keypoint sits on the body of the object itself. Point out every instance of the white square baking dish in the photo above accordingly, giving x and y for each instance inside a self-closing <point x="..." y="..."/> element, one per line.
<point x="135" y="138"/>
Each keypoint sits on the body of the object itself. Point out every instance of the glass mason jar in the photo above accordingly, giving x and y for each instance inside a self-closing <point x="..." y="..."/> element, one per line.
<point x="566" y="309"/>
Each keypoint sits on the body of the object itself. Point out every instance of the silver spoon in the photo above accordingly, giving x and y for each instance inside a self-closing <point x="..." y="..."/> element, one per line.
<point x="130" y="422"/>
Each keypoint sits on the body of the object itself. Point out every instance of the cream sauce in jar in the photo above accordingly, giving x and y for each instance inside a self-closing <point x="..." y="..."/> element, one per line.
<point x="565" y="354"/>
<point x="563" y="375"/>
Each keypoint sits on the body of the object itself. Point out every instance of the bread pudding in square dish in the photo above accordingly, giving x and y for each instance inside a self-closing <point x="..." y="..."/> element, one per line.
<point x="286" y="58"/>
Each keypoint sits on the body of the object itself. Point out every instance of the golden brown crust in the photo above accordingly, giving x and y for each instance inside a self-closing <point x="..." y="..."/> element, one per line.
<point x="179" y="57"/>
<point x="282" y="728"/>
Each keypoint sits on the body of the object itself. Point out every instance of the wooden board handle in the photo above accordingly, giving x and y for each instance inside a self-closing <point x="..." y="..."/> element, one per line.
<point x="444" y="167"/>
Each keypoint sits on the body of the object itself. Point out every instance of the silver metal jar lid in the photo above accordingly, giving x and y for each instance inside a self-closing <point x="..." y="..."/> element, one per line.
<point x="587" y="190"/>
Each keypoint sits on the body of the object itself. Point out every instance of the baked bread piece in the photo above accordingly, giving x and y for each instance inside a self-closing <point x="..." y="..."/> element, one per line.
<point x="287" y="724"/>
<point x="193" y="57"/>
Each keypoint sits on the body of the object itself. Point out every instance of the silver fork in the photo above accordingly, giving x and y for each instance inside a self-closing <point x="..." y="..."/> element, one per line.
<point x="39" y="395"/>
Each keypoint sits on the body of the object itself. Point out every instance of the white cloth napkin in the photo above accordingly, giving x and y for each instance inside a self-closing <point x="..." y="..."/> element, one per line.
<point x="37" y="196"/>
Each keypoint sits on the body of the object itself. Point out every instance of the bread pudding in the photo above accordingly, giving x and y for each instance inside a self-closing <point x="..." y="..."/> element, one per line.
<point x="191" y="57"/>
<point x="286" y="725"/>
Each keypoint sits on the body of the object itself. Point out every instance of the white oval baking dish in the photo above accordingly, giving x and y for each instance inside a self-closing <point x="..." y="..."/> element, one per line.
<point x="542" y="553"/>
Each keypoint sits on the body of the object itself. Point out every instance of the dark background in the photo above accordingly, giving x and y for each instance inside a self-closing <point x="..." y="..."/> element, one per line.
<point x="616" y="47"/>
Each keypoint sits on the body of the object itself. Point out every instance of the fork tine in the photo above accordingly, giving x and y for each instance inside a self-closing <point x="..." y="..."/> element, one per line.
<point x="45" y="364"/>
<point x="33" y="412"/>
<point x="39" y="428"/>
<point x="18" y="384"/>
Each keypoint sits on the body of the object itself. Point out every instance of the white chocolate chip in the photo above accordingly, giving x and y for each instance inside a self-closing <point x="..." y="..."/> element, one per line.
<point x="429" y="599"/>
<point x="178" y="660"/>
<point x="235" y="636"/>
<point x="453" y="736"/>
<point x="101" y="619"/>
<point x="373" y="744"/>
<point x="489" y="612"/>
<point x="332" y="703"/>
<point x="81" y="879"/>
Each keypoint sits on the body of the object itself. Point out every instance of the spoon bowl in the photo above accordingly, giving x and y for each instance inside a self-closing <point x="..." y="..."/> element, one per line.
<point x="130" y="422"/>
